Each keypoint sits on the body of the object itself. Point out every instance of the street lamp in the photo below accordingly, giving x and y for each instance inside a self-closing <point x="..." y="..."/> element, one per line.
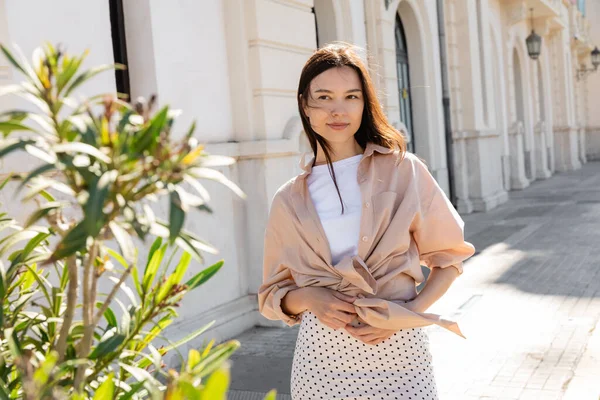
<point x="595" y="56"/>
<point x="534" y="42"/>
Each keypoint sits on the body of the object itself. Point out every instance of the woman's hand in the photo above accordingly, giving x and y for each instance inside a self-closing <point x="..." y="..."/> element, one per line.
<point x="332" y="308"/>
<point x="369" y="334"/>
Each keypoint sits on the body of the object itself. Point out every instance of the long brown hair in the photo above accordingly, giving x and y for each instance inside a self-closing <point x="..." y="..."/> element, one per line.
<point x="374" y="127"/>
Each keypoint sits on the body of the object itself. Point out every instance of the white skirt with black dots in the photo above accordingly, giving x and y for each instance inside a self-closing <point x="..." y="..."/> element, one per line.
<point x="332" y="364"/>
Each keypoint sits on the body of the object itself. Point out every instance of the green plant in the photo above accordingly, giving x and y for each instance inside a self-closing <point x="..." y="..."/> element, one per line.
<point x="101" y="163"/>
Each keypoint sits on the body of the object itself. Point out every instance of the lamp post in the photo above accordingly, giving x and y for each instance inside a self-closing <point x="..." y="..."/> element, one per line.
<point x="534" y="42"/>
<point x="595" y="56"/>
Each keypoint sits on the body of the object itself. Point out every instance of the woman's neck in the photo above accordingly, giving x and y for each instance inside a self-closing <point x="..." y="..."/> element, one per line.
<point x="339" y="152"/>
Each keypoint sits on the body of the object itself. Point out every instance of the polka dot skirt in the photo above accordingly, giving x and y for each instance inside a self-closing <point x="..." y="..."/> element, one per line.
<point x="332" y="364"/>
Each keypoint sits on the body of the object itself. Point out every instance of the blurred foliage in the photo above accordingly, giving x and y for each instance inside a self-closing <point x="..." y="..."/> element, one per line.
<point x="101" y="163"/>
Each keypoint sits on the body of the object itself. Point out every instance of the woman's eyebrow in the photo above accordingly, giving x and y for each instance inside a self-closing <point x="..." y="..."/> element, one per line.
<point x="329" y="91"/>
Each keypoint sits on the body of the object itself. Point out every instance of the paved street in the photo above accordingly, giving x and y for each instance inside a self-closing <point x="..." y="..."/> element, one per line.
<point x="528" y="302"/>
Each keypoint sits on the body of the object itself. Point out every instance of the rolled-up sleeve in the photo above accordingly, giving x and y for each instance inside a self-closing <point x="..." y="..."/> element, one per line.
<point x="438" y="229"/>
<point x="277" y="278"/>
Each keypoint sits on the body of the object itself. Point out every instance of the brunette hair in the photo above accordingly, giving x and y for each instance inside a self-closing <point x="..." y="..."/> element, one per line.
<point x="374" y="127"/>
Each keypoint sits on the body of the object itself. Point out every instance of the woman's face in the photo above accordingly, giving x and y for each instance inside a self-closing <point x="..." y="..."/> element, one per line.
<point x="335" y="105"/>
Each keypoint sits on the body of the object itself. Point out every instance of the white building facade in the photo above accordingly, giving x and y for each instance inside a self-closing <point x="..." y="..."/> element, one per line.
<point x="485" y="116"/>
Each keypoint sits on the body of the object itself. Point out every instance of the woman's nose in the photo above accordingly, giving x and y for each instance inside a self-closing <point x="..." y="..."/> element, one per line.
<point x="338" y="109"/>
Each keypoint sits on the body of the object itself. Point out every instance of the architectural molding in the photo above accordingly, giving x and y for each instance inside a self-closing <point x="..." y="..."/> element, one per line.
<point x="299" y="5"/>
<point x="274" y="92"/>
<point x="259" y="149"/>
<point x="487" y="203"/>
<point x="517" y="11"/>
<point x="230" y="319"/>
<point x="280" y="46"/>
<point x="475" y="134"/>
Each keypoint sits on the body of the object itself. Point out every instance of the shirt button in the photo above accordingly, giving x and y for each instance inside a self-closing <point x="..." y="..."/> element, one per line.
<point x="367" y="204"/>
<point x="364" y="238"/>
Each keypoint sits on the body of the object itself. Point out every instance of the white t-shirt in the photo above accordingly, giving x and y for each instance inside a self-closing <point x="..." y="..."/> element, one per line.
<point x="342" y="230"/>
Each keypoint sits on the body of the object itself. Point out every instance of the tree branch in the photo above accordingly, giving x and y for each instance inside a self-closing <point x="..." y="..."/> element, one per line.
<point x="61" y="345"/>
<point x="88" y="309"/>
<point x="112" y="294"/>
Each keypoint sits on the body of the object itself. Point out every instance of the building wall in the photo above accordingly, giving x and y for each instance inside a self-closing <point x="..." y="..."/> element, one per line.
<point x="78" y="27"/>
<point x="234" y="66"/>
<point x="592" y="87"/>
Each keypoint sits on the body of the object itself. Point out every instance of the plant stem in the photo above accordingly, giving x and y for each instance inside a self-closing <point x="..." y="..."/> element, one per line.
<point x="112" y="294"/>
<point x="89" y="291"/>
<point x="61" y="345"/>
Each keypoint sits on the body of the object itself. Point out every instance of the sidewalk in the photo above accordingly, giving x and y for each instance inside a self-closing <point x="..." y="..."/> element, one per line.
<point x="528" y="303"/>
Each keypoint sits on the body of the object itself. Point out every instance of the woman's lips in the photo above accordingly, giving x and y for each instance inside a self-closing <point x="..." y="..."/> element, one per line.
<point x="338" y="127"/>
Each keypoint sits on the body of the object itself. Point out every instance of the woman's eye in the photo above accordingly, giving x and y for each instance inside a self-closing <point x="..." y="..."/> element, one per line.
<point x="352" y="97"/>
<point x="323" y="97"/>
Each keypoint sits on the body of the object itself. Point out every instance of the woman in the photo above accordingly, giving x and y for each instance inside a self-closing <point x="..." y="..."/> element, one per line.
<point x="345" y="241"/>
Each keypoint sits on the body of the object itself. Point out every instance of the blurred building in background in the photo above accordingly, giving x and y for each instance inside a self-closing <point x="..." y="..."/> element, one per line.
<point x="485" y="116"/>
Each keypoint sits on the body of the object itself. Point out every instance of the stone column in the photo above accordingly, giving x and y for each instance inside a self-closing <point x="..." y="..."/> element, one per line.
<point x="476" y="133"/>
<point x="566" y="148"/>
<point x="540" y="151"/>
<point x="518" y="180"/>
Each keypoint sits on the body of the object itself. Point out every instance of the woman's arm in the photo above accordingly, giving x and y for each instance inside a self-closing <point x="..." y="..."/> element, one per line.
<point x="293" y="302"/>
<point x="437" y="284"/>
<point x="332" y="308"/>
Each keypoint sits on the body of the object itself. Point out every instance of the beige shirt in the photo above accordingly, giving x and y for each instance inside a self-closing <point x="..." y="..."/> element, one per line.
<point x="406" y="221"/>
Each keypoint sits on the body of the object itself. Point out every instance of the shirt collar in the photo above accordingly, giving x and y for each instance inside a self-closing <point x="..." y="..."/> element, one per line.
<point x="307" y="160"/>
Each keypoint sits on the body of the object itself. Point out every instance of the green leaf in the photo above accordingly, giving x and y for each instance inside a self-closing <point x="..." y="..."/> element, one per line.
<point x="13" y="342"/>
<point x="136" y="280"/>
<point x="198" y="187"/>
<point x="142" y="375"/>
<point x="189" y="337"/>
<point x="193" y="358"/>
<point x="188" y="391"/>
<point x="69" y="69"/>
<point x="85" y="76"/>
<point x="12" y="59"/>
<point x="79" y="147"/>
<point x="132" y="391"/>
<point x="176" y="216"/>
<point x="43" y="183"/>
<point x="175" y="278"/>
<point x="44" y="371"/>
<point x="7" y="127"/>
<point x="125" y="290"/>
<point x="107" y="389"/>
<point x="197" y="242"/>
<point x="46" y="195"/>
<point x="111" y="319"/>
<point x="124" y="240"/>
<point x="147" y="137"/>
<point x="216" y="385"/>
<point x="107" y="346"/>
<point x="204" y="275"/>
<point x="74" y="240"/>
<point x="38" y="171"/>
<point x="94" y="207"/>
<point x="42" y="212"/>
<point x="11" y="145"/>
<point x="155" y="246"/>
<point x="49" y="158"/>
<point x="272" y="395"/>
<point x="215" y="358"/>
<point x="152" y="267"/>
<point x="10" y="240"/>
<point x="214" y="175"/>
<point x="188" y="247"/>
<point x="181" y="267"/>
